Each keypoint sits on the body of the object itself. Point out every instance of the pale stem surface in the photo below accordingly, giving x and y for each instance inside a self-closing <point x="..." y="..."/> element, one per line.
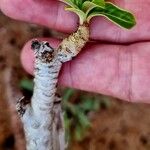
<point x="43" y="117"/>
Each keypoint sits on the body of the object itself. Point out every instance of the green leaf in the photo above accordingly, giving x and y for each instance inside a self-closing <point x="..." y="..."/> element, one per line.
<point x="99" y="2"/>
<point x="90" y="104"/>
<point x="79" y="3"/>
<point x="115" y="14"/>
<point x="69" y="3"/>
<point x="67" y="121"/>
<point x="83" y="119"/>
<point x="68" y="93"/>
<point x="26" y="84"/>
<point x="88" y="6"/>
<point x="67" y="124"/>
<point x="79" y="133"/>
<point x="87" y="105"/>
<point x="74" y="3"/>
<point x="80" y="13"/>
<point x="96" y="105"/>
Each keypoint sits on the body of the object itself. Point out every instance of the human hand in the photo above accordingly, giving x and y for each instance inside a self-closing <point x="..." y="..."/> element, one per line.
<point x="117" y="65"/>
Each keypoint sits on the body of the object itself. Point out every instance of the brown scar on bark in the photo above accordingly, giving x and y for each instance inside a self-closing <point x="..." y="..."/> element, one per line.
<point x="21" y="105"/>
<point x="47" y="56"/>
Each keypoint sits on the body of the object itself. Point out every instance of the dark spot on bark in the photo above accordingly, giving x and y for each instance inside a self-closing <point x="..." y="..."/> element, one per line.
<point x="59" y="48"/>
<point x="83" y="38"/>
<point x="49" y="103"/>
<point x="76" y="37"/>
<point x="59" y="124"/>
<point x="53" y="72"/>
<point x="57" y="102"/>
<point x="35" y="142"/>
<point x="35" y="44"/>
<point x="20" y="106"/>
<point x="68" y="50"/>
<point x="43" y="109"/>
<point x="55" y="78"/>
<point x="47" y="56"/>
<point x="46" y="95"/>
<point x="47" y="44"/>
<point x="50" y="66"/>
<point x="58" y="95"/>
<point x="46" y="143"/>
<point x="36" y="68"/>
<point x="67" y="39"/>
<point x="80" y="32"/>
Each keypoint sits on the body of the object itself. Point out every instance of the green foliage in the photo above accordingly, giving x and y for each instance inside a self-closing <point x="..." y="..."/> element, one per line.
<point x="114" y="14"/>
<point x="26" y="84"/>
<point x="87" y="9"/>
<point x="77" y="106"/>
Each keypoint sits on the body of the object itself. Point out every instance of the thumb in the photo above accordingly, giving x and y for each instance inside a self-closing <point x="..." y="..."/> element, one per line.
<point x="114" y="70"/>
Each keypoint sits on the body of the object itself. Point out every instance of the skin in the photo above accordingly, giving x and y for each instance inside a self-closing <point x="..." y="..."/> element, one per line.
<point x="117" y="64"/>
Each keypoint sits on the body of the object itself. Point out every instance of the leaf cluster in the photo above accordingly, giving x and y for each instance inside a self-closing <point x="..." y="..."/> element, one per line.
<point x="87" y="9"/>
<point x="78" y="105"/>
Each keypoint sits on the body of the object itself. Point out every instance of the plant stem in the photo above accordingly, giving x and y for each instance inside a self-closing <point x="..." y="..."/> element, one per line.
<point x="43" y="117"/>
<point x="73" y="44"/>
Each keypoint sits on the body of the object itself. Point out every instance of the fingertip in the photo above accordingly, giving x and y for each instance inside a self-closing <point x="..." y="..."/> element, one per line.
<point x="27" y="58"/>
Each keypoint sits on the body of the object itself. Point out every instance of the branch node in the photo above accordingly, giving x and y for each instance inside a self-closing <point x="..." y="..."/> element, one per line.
<point x="21" y="105"/>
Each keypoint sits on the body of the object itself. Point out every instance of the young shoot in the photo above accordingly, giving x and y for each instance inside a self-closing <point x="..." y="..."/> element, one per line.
<point x="87" y="9"/>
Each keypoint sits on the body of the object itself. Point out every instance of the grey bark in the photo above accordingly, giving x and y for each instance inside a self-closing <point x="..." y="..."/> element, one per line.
<point x="43" y="117"/>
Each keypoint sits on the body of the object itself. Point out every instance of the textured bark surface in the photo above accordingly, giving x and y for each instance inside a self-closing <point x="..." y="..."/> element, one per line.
<point x="73" y="44"/>
<point x="39" y="119"/>
<point x="43" y="117"/>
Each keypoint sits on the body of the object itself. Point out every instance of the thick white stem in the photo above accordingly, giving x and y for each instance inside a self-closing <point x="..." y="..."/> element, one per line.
<point x="43" y="117"/>
<point x="38" y="117"/>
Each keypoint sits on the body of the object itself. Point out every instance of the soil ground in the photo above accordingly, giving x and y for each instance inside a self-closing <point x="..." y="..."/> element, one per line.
<point x="121" y="126"/>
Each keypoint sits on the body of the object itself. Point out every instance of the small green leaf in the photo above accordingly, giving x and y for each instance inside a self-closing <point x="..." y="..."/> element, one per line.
<point x="90" y="104"/>
<point x="68" y="93"/>
<point x="83" y="119"/>
<point x="67" y="124"/>
<point x="26" y="84"/>
<point x="79" y="3"/>
<point x="88" y="6"/>
<point x="79" y="133"/>
<point x="87" y="105"/>
<point x="74" y="3"/>
<point x="99" y="2"/>
<point x="115" y="14"/>
<point x="69" y="3"/>
<point x="80" y="13"/>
